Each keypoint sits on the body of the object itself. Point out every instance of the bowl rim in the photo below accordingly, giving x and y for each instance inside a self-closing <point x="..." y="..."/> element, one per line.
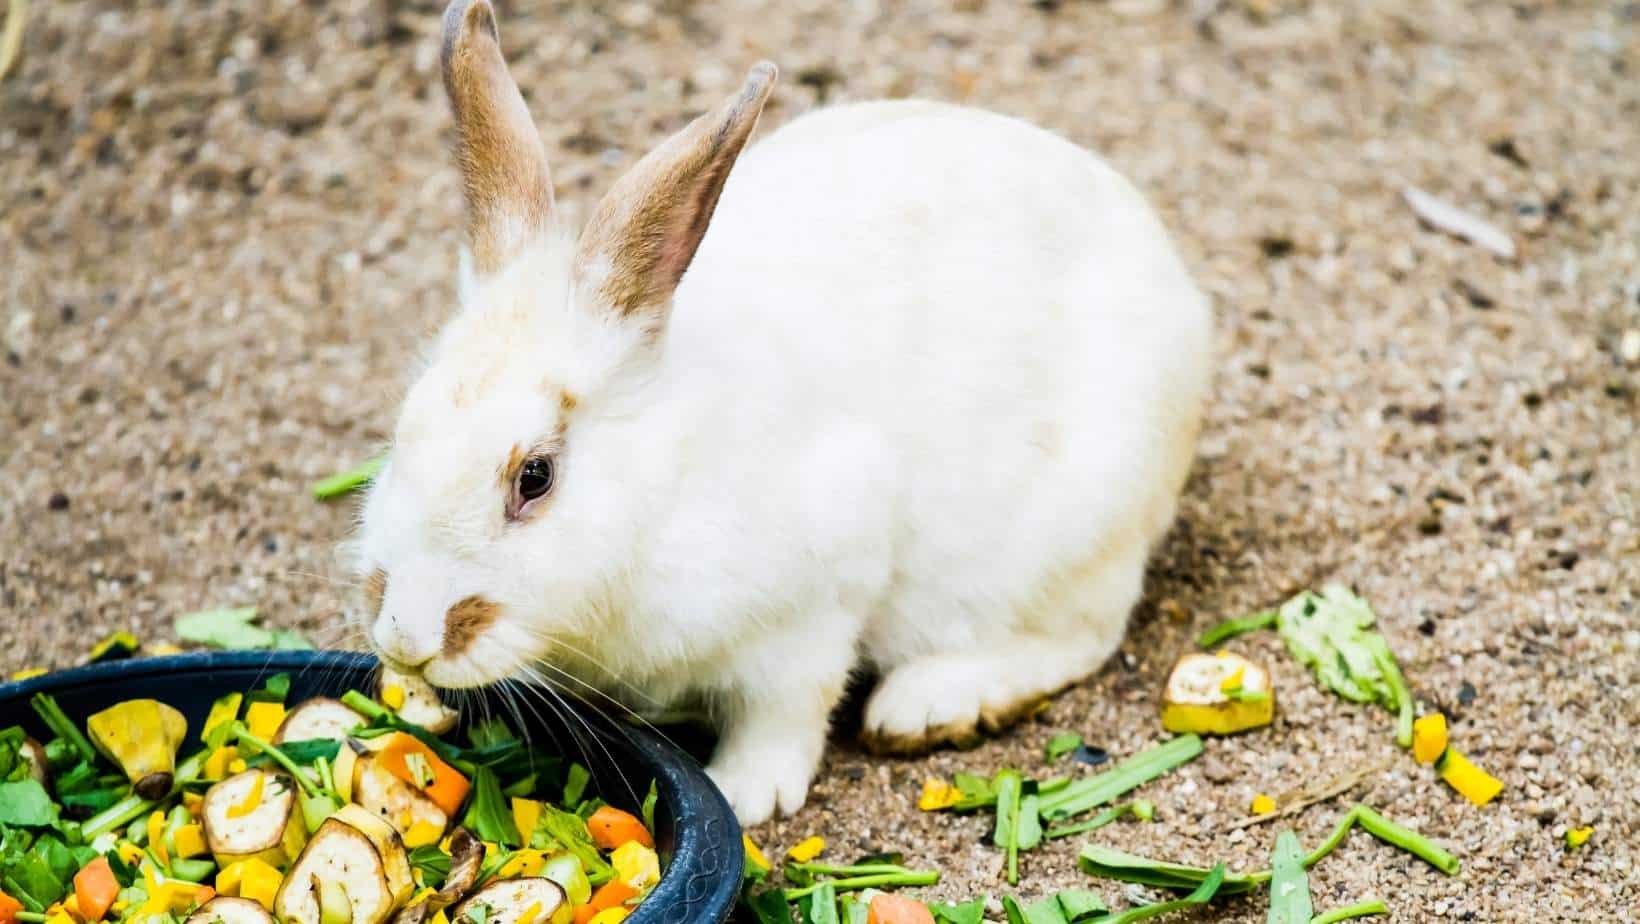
<point x="701" y="882"/>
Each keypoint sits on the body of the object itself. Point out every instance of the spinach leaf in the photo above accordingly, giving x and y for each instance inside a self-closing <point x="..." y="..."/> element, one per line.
<point x="26" y="803"/>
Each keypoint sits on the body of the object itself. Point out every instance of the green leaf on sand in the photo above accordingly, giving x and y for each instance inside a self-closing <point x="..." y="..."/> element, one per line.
<point x="235" y="629"/>
<point x="1289" y="883"/>
<point x="1060" y="745"/>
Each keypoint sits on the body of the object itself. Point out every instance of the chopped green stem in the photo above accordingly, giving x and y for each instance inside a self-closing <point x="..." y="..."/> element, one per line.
<point x="861" y="869"/>
<point x="1405" y="838"/>
<point x="30" y="917"/>
<point x="1357" y="910"/>
<point x="351" y="480"/>
<point x="1231" y="628"/>
<point x="52" y="714"/>
<point x="855" y="883"/>
<point x="365" y="706"/>
<point x="117" y="815"/>
<point x="1137" y="770"/>
<point x="278" y="756"/>
<point x="1093" y="824"/>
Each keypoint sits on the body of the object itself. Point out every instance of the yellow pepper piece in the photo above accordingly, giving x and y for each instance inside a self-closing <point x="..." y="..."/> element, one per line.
<point x="529" y="914"/>
<point x="1262" y="805"/>
<point x="225" y="709"/>
<point x="129" y="852"/>
<point x="422" y="894"/>
<point x="189" y="841"/>
<point x="228" y="878"/>
<point x="253" y="799"/>
<point x="753" y="853"/>
<point x="119" y="906"/>
<point x="259" y="882"/>
<point x="194" y="803"/>
<point x="1475" y="784"/>
<point x="393" y="697"/>
<point x="421" y="834"/>
<point x="613" y="915"/>
<point x="61" y="917"/>
<point x="1577" y="837"/>
<point x="216" y="766"/>
<point x="1233" y="681"/>
<point x="238" y="765"/>
<point x="71" y="905"/>
<point x="160" y="649"/>
<point x="440" y="917"/>
<point x="523" y="863"/>
<point x="807" y="849"/>
<point x="263" y="718"/>
<point x="636" y="865"/>
<point x="28" y="673"/>
<point x="156" y="836"/>
<point x="1429" y="738"/>
<point x="937" y="795"/>
<point x="525" y="812"/>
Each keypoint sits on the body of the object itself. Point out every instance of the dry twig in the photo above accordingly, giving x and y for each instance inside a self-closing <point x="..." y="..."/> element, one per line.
<point x="1297" y="800"/>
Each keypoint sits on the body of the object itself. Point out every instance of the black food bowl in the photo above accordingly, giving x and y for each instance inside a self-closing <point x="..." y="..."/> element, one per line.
<point x="695" y="827"/>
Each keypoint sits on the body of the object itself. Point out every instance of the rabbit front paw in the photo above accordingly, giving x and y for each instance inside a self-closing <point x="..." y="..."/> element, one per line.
<point x="757" y="780"/>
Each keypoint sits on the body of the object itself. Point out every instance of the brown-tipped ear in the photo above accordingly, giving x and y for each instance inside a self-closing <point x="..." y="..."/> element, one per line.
<point x="503" y="164"/>
<point x="642" y="236"/>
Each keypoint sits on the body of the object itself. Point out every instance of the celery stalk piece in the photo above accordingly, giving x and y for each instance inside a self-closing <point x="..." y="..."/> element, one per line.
<point x="1231" y="628"/>
<point x="349" y="481"/>
<point x="1094" y="791"/>
<point x="1210" y="886"/>
<point x="1289" y="884"/>
<point x="1349" y="912"/>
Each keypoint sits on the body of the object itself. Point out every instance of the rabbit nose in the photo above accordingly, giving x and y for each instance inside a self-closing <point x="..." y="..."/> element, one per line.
<point x="402" y="648"/>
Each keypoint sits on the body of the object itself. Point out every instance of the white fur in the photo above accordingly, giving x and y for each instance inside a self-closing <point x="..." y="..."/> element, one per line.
<point x="926" y="399"/>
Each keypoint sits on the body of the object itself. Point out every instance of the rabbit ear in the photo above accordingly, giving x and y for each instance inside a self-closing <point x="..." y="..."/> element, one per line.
<point x="644" y="233"/>
<point x="503" y="164"/>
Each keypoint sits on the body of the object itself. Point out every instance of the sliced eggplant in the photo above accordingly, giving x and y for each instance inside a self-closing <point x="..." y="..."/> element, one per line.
<point x="533" y="900"/>
<point x="393" y="800"/>
<point x="466" y="859"/>
<point x="253" y="814"/>
<point x="33" y="754"/>
<point x="415" y="700"/>
<point x="338" y="853"/>
<point x="226" y="910"/>
<point x="389" y="846"/>
<point x="319" y="717"/>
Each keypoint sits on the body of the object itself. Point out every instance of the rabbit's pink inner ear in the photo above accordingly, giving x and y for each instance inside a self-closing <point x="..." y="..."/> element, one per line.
<point x="503" y="163"/>
<point x="644" y="233"/>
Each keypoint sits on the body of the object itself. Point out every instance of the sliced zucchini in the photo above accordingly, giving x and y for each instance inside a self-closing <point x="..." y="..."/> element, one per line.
<point x="338" y="853"/>
<point x="535" y="900"/>
<point x="319" y="717"/>
<point x="392" y="799"/>
<point x="253" y="814"/>
<point x="1217" y="694"/>
<point x="389" y="846"/>
<point x="417" y="701"/>
<point x="226" y="910"/>
<point x="466" y="859"/>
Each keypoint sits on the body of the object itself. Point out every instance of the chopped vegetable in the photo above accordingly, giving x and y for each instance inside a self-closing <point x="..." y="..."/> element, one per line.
<point x="113" y="647"/>
<point x="1472" y="782"/>
<point x="26" y="803"/>
<point x="420" y="703"/>
<point x="141" y="737"/>
<point x="1289" y="884"/>
<point x="1092" y="792"/>
<point x="1060" y="745"/>
<point x="636" y="865"/>
<point x="888" y="908"/>
<point x="1330" y="633"/>
<point x="1429" y="738"/>
<point x="225" y="909"/>
<point x="1217" y="695"/>
<point x="1203" y="894"/>
<point x="937" y="795"/>
<point x="95" y="889"/>
<point x="1138" y="808"/>
<point x="610" y="828"/>
<point x="1009" y="786"/>
<point x="253" y="815"/>
<point x="319" y="718"/>
<point x="754" y="854"/>
<point x="235" y="629"/>
<point x="343" y="483"/>
<point x="1577" y="837"/>
<point x="1348" y="912"/>
<point x="441" y="782"/>
<point x="1262" y="805"/>
<point x="1231" y="628"/>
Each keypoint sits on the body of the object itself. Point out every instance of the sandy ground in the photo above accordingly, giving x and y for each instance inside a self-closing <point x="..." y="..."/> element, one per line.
<point x="226" y="227"/>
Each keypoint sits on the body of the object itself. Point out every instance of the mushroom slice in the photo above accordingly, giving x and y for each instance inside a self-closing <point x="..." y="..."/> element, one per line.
<point x="342" y="854"/>
<point x="320" y="717"/>
<point x="466" y="859"/>
<point x="385" y="795"/>
<point x="532" y="900"/>
<point x="415" y="700"/>
<point x="34" y="756"/>
<point x="226" y="910"/>
<point x="253" y="814"/>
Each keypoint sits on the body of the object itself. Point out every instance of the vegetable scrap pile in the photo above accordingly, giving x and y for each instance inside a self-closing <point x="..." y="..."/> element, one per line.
<point x="1223" y="693"/>
<point x="228" y="628"/>
<point x="358" y="810"/>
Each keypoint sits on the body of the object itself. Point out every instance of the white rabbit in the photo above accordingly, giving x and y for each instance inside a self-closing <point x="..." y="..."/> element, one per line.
<point x="921" y="399"/>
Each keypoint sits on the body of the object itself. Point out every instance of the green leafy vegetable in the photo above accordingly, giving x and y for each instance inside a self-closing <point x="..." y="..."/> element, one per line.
<point x="1231" y="628"/>
<point x="343" y="483"/>
<point x="1358" y="910"/>
<point x="1079" y="904"/>
<point x="433" y="863"/>
<point x="575" y="784"/>
<point x="26" y="803"/>
<point x="1006" y="834"/>
<point x="968" y="912"/>
<point x="819" y="906"/>
<point x="1289" y="884"/>
<point x="1060" y="745"/>
<point x="1094" y="791"/>
<point x="808" y="877"/>
<point x="50" y="713"/>
<point x="235" y="629"/>
<point x="1331" y="633"/>
<point x="977" y="792"/>
<point x="569" y="831"/>
<point x="1138" y="808"/>
<point x="1202" y="895"/>
<point x="489" y="815"/>
<point x="770" y="907"/>
<point x="648" y="810"/>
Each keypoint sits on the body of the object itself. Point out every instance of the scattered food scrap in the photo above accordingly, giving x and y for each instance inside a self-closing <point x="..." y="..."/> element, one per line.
<point x="1429" y="738"/>
<point x="1452" y="220"/>
<point x="1262" y="805"/>
<point x="1217" y="695"/>
<point x="344" y="483"/>
<point x="1577" y="837"/>
<point x="1470" y="781"/>
<point x="1060" y="745"/>
<point x="807" y="849"/>
<point x="235" y="628"/>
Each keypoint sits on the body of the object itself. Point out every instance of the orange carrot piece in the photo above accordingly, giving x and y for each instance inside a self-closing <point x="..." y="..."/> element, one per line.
<point x="612" y="893"/>
<point x="8" y="909"/>
<point x="95" y="889"/>
<point x="611" y="827"/>
<point x="889" y="908"/>
<point x="583" y="914"/>
<point x="448" y="789"/>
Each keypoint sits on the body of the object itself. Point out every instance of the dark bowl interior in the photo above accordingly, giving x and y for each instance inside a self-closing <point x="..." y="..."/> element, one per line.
<point x="695" y="828"/>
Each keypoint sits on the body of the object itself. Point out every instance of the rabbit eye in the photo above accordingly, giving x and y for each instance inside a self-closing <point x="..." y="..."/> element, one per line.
<point x="535" y="478"/>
